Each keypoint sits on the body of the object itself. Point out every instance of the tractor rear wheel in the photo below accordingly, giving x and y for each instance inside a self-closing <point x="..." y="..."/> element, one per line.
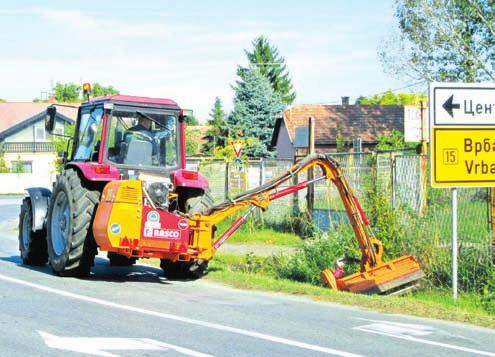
<point x="194" y="201"/>
<point x="71" y="245"/>
<point x="32" y="245"/>
<point x="120" y="260"/>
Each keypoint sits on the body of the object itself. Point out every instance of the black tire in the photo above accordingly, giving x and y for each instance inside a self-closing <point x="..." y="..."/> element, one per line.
<point x="32" y="245"/>
<point x="71" y="245"/>
<point x="120" y="260"/>
<point x="198" y="201"/>
<point x="184" y="270"/>
<point x="194" y="201"/>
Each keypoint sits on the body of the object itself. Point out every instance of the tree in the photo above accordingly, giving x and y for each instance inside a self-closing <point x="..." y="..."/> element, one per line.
<point x="443" y="40"/>
<point x="256" y="106"/>
<point x="193" y="140"/>
<point x="3" y="165"/>
<point x="67" y="93"/>
<point x="217" y="133"/>
<point x="191" y="120"/>
<point x="266" y="58"/>
<point x="70" y="92"/>
<point x="60" y="145"/>
<point x="101" y="91"/>
<point x="391" y="98"/>
<point x="393" y="141"/>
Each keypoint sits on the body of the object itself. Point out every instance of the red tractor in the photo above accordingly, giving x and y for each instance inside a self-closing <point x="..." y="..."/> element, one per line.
<point x="116" y="138"/>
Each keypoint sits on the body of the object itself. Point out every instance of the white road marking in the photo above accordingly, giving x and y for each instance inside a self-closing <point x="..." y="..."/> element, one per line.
<point x="398" y="328"/>
<point x="253" y="334"/>
<point x="409" y="331"/>
<point x="98" y="345"/>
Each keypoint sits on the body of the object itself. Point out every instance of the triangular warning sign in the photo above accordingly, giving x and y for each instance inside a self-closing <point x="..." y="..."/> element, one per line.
<point x="237" y="147"/>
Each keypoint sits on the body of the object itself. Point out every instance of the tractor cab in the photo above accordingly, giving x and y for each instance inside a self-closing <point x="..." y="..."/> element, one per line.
<point x="123" y="136"/>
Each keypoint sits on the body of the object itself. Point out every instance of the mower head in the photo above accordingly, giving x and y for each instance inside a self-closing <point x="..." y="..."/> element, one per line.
<point x="394" y="277"/>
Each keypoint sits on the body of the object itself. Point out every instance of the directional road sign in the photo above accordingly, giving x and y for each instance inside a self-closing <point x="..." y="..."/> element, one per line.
<point x="462" y="131"/>
<point x="462" y="104"/>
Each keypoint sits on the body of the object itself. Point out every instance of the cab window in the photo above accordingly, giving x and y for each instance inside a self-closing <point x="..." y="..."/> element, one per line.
<point x="90" y="127"/>
<point x="143" y="138"/>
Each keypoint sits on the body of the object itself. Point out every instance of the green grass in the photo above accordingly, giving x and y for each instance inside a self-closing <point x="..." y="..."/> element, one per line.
<point x="264" y="236"/>
<point x="233" y="270"/>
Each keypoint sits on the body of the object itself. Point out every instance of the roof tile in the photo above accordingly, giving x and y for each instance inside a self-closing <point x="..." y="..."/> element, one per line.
<point x="13" y="113"/>
<point x="351" y="121"/>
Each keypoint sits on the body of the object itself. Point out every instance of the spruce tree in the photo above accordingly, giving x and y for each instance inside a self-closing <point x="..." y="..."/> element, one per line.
<point x="256" y="106"/>
<point x="266" y="58"/>
<point x="216" y="135"/>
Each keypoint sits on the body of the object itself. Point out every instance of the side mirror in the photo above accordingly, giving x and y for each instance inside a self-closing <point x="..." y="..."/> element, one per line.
<point x="51" y="111"/>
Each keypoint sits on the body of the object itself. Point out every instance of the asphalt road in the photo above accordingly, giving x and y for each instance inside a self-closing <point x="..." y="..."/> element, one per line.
<point x="136" y="312"/>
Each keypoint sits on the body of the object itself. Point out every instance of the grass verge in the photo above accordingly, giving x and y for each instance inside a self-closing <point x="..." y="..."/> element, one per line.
<point x="265" y="236"/>
<point x="224" y="268"/>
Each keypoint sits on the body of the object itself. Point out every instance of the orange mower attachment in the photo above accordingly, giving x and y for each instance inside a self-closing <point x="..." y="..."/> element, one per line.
<point x="394" y="277"/>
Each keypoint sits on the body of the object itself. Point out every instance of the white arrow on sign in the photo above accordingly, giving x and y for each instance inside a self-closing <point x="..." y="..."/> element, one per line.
<point x="97" y="346"/>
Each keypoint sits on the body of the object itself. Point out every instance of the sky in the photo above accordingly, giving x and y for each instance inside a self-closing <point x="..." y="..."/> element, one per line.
<point x="189" y="50"/>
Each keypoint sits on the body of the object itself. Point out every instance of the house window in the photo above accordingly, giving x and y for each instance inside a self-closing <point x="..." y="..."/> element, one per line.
<point x="39" y="134"/>
<point x="22" y="167"/>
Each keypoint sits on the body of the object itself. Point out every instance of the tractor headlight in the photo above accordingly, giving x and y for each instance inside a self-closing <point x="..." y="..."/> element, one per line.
<point x="159" y="194"/>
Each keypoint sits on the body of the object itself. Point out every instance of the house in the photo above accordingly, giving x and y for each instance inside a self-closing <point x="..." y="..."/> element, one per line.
<point x="26" y="149"/>
<point x="346" y="121"/>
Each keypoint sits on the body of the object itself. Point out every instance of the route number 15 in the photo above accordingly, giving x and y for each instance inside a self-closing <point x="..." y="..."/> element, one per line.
<point x="450" y="156"/>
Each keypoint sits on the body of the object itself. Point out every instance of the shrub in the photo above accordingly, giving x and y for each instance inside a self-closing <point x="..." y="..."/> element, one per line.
<point x="488" y="297"/>
<point x="318" y="253"/>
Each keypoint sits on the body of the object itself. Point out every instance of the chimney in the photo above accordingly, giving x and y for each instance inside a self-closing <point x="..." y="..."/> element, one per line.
<point x="345" y="100"/>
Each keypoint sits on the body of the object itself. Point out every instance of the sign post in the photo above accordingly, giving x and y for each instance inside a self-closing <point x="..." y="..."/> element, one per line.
<point x="462" y="143"/>
<point x="454" y="243"/>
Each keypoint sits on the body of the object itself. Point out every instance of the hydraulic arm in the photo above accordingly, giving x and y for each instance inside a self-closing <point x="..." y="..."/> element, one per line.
<point x="375" y="276"/>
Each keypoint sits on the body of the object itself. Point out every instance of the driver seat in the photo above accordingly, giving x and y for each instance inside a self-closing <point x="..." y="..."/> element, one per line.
<point x="137" y="152"/>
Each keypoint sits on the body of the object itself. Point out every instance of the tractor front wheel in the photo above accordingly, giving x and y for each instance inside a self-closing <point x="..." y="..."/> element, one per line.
<point x="32" y="245"/>
<point x="71" y="245"/>
<point x="120" y="260"/>
<point x="193" y="201"/>
<point x="184" y="270"/>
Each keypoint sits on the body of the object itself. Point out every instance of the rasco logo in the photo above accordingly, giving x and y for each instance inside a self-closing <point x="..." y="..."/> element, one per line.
<point x="115" y="228"/>
<point x="153" y="216"/>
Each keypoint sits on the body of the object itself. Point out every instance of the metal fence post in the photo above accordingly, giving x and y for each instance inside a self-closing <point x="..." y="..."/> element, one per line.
<point x="295" y="196"/>
<point x="311" y="147"/>
<point x="424" y="164"/>
<point x="262" y="171"/>
<point x="492" y="220"/>
<point x="226" y="184"/>
<point x="392" y="179"/>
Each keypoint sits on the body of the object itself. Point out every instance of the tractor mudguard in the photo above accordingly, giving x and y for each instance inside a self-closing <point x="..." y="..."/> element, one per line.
<point x="40" y="198"/>
<point x="93" y="171"/>
<point x="188" y="178"/>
